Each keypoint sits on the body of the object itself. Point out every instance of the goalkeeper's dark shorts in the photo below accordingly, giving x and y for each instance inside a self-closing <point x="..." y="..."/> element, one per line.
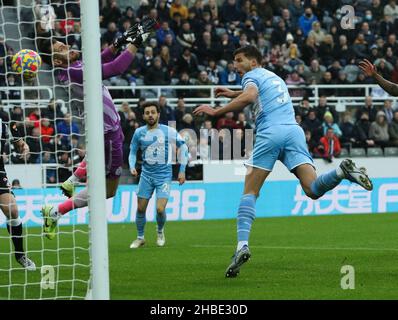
<point x="114" y="153"/>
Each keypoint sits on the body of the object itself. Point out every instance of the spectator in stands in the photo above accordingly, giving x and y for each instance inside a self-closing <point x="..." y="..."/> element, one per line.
<point x="157" y="74"/>
<point x="34" y="143"/>
<point x="391" y="9"/>
<point x="213" y="72"/>
<point x="163" y="10"/>
<point x="342" y="80"/>
<point x="184" y="81"/>
<point x="378" y="130"/>
<point x="362" y="130"/>
<point x="64" y="165"/>
<point x="294" y="79"/>
<point x="327" y="80"/>
<point x="278" y="36"/>
<point x="188" y="63"/>
<point x="312" y="144"/>
<point x="313" y="124"/>
<point x="207" y="48"/>
<point x="329" y="123"/>
<point x="360" y="46"/>
<point x="46" y="131"/>
<point x="230" y="13"/>
<point x="331" y="147"/>
<point x="317" y="32"/>
<point x="112" y="33"/>
<point x="180" y="111"/>
<point x="67" y="25"/>
<point x="186" y="37"/>
<point x="147" y="60"/>
<point x="323" y="107"/>
<point x="304" y="107"/>
<point x="35" y="116"/>
<point x="242" y="123"/>
<point x="53" y="112"/>
<point x="12" y="94"/>
<point x="348" y="136"/>
<point x="368" y="108"/>
<point x="388" y="111"/>
<point x="187" y="122"/>
<point x="124" y="114"/>
<point x="343" y="52"/>
<point x="315" y="72"/>
<point x="129" y="15"/>
<point x="227" y="47"/>
<point x="110" y="12"/>
<point x="166" y="112"/>
<point x="163" y="31"/>
<point x="393" y="130"/>
<point x="67" y="127"/>
<point x="203" y="80"/>
<point x="227" y="122"/>
<point x="306" y="20"/>
<point x="177" y="6"/>
<point x="229" y="76"/>
<point x="326" y="50"/>
<point x="51" y="173"/>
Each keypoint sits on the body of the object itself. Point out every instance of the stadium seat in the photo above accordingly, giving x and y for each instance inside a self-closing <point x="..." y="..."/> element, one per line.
<point x="357" y="152"/>
<point x="375" y="152"/>
<point x="391" y="152"/>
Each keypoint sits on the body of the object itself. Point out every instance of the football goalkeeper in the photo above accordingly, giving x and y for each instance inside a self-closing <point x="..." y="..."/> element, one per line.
<point x="59" y="55"/>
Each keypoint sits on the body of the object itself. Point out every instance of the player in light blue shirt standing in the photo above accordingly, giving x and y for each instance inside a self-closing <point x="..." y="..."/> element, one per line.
<point x="278" y="137"/>
<point x="156" y="143"/>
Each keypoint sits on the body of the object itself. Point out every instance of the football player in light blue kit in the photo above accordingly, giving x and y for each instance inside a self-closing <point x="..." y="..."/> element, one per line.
<point x="155" y="141"/>
<point x="278" y="137"/>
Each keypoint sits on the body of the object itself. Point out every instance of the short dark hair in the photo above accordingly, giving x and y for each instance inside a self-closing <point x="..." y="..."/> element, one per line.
<point x="250" y="52"/>
<point x="150" y="104"/>
<point x="44" y="46"/>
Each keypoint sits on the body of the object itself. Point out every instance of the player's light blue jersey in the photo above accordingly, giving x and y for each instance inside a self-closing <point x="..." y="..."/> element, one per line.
<point x="273" y="105"/>
<point x="156" y="146"/>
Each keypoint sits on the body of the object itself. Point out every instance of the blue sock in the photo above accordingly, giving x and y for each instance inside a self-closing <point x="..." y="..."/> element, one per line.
<point x="246" y="215"/>
<point x="140" y="221"/>
<point x="325" y="182"/>
<point x="161" y="220"/>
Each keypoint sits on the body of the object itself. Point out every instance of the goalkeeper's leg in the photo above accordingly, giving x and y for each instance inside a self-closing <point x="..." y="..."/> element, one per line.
<point x="51" y="214"/>
<point x="68" y="187"/>
<point x="14" y="226"/>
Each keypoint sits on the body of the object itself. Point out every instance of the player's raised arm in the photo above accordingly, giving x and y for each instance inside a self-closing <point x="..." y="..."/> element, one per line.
<point x="245" y="98"/>
<point x="370" y="70"/>
<point x="133" y="37"/>
<point x="133" y="154"/>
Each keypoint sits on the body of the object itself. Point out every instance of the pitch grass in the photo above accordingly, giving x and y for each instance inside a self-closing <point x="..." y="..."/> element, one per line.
<point x="292" y="258"/>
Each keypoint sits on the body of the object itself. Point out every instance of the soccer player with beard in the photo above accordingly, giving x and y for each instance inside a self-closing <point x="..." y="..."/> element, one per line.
<point x="59" y="55"/>
<point x="156" y="142"/>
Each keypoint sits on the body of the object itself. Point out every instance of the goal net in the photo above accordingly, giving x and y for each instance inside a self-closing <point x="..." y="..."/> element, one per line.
<point x="50" y="117"/>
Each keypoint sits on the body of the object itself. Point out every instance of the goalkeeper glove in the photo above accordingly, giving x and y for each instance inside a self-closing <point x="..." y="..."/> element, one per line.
<point x="137" y="34"/>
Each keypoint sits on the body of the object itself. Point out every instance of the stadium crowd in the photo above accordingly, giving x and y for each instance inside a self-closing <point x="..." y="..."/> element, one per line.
<point x="301" y="41"/>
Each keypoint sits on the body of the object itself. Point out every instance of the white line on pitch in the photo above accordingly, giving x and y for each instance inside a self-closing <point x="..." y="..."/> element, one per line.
<point x="298" y="248"/>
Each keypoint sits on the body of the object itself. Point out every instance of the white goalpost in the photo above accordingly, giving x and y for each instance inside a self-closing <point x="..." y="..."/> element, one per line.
<point x="95" y="155"/>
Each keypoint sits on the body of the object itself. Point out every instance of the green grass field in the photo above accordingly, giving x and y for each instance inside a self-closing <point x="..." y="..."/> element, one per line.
<point x="292" y="258"/>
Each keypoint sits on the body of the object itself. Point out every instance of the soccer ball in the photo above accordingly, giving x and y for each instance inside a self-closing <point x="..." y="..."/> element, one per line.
<point x="26" y="62"/>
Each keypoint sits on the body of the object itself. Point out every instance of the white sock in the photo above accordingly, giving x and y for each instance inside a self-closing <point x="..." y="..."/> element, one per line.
<point x="340" y="173"/>
<point x="14" y="222"/>
<point x="74" y="179"/>
<point x="241" y="244"/>
<point x="141" y="238"/>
